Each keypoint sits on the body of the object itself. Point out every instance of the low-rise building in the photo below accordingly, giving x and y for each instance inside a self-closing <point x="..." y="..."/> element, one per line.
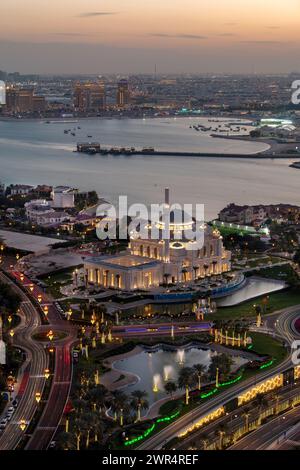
<point x="19" y="189"/>
<point x="63" y="197"/>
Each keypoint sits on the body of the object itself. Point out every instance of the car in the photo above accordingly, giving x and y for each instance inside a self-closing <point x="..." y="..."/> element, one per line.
<point x="3" y="423"/>
<point x="15" y="403"/>
<point x="8" y="416"/>
<point x="11" y="409"/>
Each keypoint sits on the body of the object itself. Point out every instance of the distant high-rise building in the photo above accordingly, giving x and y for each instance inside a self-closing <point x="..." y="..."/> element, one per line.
<point x="23" y="100"/>
<point x="123" y="95"/>
<point x="89" y="97"/>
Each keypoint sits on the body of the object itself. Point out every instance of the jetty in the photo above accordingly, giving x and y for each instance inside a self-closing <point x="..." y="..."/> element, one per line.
<point x="92" y="148"/>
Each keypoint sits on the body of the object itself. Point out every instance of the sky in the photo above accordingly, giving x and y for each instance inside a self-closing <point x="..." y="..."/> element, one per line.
<point x="132" y="36"/>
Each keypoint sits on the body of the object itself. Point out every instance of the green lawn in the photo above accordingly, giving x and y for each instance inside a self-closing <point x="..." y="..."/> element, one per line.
<point x="277" y="301"/>
<point x="264" y="344"/>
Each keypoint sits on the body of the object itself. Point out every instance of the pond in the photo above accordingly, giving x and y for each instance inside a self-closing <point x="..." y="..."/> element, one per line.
<point x="254" y="287"/>
<point x="156" y="368"/>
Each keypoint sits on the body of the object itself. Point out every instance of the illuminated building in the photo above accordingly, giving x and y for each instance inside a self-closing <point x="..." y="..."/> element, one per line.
<point x="23" y="100"/>
<point x="89" y="97"/>
<point x="151" y="262"/>
<point x="123" y="95"/>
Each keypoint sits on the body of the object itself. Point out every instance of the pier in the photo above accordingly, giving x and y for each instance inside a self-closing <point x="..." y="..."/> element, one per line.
<point x="93" y="148"/>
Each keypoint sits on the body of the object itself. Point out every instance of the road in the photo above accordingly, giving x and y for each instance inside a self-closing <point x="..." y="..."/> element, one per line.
<point x="62" y="377"/>
<point x="284" y="327"/>
<point x="272" y="434"/>
<point x="33" y="379"/>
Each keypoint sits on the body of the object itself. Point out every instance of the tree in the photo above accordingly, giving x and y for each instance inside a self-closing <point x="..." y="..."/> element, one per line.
<point x="262" y="402"/>
<point x="139" y="402"/>
<point x="170" y="388"/>
<point x="99" y="397"/>
<point x="120" y="405"/>
<point x="199" y="370"/>
<point x="66" y="441"/>
<point x="186" y="380"/>
<point x="223" y="362"/>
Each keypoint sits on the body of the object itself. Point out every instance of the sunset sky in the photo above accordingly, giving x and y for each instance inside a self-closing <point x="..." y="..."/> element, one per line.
<point x="131" y="36"/>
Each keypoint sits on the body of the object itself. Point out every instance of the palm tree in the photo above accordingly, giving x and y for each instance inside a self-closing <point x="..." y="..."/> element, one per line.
<point x="204" y="439"/>
<point x="196" y="269"/>
<point x="206" y="266"/>
<point x="139" y="402"/>
<point x="100" y="397"/>
<point x="120" y="405"/>
<point x="186" y="380"/>
<point x="221" y="432"/>
<point x="79" y="426"/>
<point x="166" y="278"/>
<point x="66" y="441"/>
<point x="262" y="402"/>
<point x="246" y="415"/>
<point x="199" y="370"/>
<point x="170" y="388"/>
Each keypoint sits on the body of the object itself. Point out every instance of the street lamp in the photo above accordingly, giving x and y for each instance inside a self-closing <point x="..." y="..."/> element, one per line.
<point x="22" y="425"/>
<point x="12" y="333"/>
<point x="38" y="397"/>
<point x="47" y="374"/>
<point x="50" y="335"/>
<point x="69" y="314"/>
<point x="31" y="287"/>
<point x="46" y="310"/>
<point x="39" y="298"/>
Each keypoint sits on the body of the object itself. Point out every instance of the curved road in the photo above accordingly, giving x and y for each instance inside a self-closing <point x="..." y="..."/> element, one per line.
<point x="284" y="326"/>
<point x="33" y="379"/>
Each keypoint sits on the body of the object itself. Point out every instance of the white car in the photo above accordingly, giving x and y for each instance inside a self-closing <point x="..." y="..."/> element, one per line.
<point x="3" y="424"/>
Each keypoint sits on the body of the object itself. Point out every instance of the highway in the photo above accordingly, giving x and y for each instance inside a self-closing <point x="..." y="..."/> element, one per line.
<point x="33" y="378"/>
<point x="284" y="327"/>
<point x="38" y="362"/>
<point x="272" y="434"/>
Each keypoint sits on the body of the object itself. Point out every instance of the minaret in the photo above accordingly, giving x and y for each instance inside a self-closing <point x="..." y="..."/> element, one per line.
<point x="167" y="224"/>
<point x="2" y="346"/>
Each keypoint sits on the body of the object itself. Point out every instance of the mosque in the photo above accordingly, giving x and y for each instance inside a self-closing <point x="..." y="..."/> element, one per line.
<point x="148" y="263"/>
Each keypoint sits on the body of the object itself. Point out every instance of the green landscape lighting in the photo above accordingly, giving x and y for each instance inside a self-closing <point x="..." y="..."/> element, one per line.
<point x="151" y="429"/>
<point x="231" y="382"/>
<point x="209" y="394"/>
<point x="268" y="364"/>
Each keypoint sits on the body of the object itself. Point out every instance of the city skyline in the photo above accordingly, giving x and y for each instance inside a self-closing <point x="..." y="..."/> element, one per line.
<point x="130" y="37"/>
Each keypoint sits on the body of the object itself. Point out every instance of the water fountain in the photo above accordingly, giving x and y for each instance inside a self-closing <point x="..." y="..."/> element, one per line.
<point x="156" y="379"/>
<point x="167" y="372"/>
<point x="181" y="356"/>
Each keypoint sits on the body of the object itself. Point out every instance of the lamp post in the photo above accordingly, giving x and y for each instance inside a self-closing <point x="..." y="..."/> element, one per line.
<point x="22" y="425"/>
<point x="47" y="374"/>
<point x="38" y="397"/>
<point x="217" y="377"/>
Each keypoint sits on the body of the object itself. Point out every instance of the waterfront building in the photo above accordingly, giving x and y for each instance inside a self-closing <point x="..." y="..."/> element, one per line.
<point x="37" y="208"/>
<point x="63" y="197"/>
<point x="149" y="263"/>
<point x="123" y="95"/>
<point x="19" y="189"/>
<point x="22" y="100"/>
<point x="89" y="97"/>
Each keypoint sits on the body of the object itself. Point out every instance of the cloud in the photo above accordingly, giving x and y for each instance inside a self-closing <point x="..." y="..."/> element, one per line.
<point x="267" y="43"/>
<point x="273" y="27"/>
<point x="230" y="24"/>
<point x="71" y="34"/>
<point x="91" y="14"/>
<point x="226" y="35"/>
<point x="183" y="36"/>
